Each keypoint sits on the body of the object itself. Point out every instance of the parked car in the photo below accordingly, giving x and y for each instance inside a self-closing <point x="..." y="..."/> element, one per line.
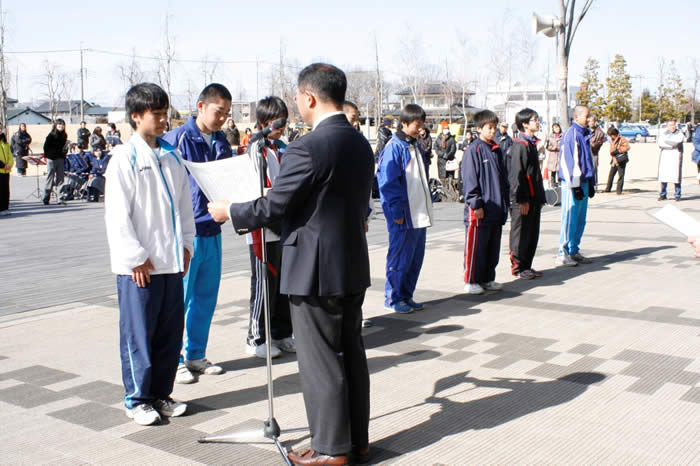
<point x="635" y="133"/>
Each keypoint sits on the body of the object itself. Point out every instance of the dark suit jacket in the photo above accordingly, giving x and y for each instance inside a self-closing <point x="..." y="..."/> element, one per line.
<point x="321" y="194"/>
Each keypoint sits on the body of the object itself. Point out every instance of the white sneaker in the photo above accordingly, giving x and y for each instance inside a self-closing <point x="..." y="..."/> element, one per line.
<point x="183" y="375"/>
<point x="261" y="352"/>
<point x="565" y="260"/>
<point x="203" y="366"/>
<point x="143" y="414"/>
<point x="5" y="213"/>
<point x="473" y="288"/>
<point x="288" y="345"/>
<point x="170" y="408"/>
<point x="492" y="286"/>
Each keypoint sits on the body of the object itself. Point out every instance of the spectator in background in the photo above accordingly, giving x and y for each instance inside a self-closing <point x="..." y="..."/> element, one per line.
<point x="670" y="159"/>
<point x="619" y="147"/>
<point x="504" y="140"/>
<point x="55" y="152"/>
<point x="83" y="136"/>
<point x="552" y="146"/>
<point x="352" y="113"/>
<point x="446" y="148"/>
<point x="114" y="137"/>
<point x="426" y="142"/>
<point x="96" y="179"/>
<point x="20" y="147"/>
<point x="246" y="137"/>
<point x="696" y="151"/>
<point x="6" y="164"/>
<point x="233" y="136"/>
<point x="97" y="140"/>
<point x="467" y="140"/>
<point x="384" y="134"/>
<point x="597" y="140"/>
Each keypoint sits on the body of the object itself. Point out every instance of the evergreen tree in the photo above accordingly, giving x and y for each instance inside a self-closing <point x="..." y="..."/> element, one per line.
<point x="650" y="107"/>
<point x="618" y="106"/>
<point x="590" y="93"/>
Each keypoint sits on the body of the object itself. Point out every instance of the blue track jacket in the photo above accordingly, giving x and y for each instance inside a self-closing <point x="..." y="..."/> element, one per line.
<point x="485" y="183"/>
<point x="575" y="157"/>
<point x="395" y="186"/>
<point x="193" y="147"/>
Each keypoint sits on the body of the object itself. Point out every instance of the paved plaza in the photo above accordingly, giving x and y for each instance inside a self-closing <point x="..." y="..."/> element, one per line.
<point x="595" y="364"/>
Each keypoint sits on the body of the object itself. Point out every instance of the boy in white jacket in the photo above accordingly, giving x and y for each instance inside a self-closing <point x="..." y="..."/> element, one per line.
<point x="150" y="229"/>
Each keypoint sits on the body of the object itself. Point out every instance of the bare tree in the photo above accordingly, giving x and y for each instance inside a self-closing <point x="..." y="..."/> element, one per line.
<point x="53" y="87"/>
<point x="209" y="66"/>
<point x="416" y="70"/>
<point x="165" y="61"/>
<point x="503" y="59"/>
<point x="130" y="72"/>
<point x="66" y="84"/>
<point x="4" y="74"/>
<point x="693" y="92"/>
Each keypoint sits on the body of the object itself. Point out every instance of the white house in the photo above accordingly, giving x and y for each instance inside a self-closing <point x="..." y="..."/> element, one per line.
<point x="507" y="102"/>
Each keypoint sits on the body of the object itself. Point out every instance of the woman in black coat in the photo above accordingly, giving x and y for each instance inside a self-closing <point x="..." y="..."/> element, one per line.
<point x="20" y="147"/>
<point x="55" y="152"/>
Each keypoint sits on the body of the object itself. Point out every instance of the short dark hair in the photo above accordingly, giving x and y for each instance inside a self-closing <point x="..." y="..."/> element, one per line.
<point x="483" y="117"/>
<point x="143" y="97"/>
<point x="411" y="113"/>
<point x="347" y="103"/>
<point x="612" y="131"/>
<point x="270" y="108"/>
<point x="328" y="82"/>
<point x="214" y="91"/>
<point x="523" y="116"/>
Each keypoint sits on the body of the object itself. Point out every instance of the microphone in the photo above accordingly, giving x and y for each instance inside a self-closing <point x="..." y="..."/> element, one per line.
<point x="276" y="125"/>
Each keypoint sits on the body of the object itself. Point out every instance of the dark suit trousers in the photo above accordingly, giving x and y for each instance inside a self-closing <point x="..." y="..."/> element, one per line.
<point x="333" y="370"/>
<point x="524" y="235"/>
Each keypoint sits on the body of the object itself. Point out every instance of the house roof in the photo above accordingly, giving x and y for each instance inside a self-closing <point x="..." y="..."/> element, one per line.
<point x="437" y="88"/>
<point x="62" y="106"/>
<point x="98" y="110"/>
<point x="15" y="112"/>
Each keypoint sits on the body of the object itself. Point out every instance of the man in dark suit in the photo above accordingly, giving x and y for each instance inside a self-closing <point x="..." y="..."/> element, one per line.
<point x="321" y="195"/>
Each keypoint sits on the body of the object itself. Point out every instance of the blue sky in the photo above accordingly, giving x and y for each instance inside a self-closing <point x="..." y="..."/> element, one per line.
<point x="642" y="31"/>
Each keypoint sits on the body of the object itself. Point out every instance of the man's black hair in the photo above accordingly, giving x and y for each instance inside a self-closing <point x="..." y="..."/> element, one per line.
<point x="214" y="91"/>
<point x="143" y="97"/>
<point x="326" y="81"/>
<point x="347" y="103"/>
<point x="270" y="108"/>
<point x="612" y="131"/>
<point x="523" y="116"/>
<point x="411" y="113"/>
<point x="483" y="117"/>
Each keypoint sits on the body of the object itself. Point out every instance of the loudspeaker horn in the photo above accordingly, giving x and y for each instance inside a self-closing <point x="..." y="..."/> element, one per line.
<point x="547" y="25"/>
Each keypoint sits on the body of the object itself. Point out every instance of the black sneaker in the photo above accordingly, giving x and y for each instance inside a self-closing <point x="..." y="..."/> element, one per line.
<point x="661" y="198"/>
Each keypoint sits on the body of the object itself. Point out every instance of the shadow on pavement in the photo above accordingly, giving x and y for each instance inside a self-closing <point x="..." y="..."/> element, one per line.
<point x="523" y="397"/>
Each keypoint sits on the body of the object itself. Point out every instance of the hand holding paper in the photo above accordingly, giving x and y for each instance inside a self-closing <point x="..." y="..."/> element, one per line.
<point x="219" y="210"/>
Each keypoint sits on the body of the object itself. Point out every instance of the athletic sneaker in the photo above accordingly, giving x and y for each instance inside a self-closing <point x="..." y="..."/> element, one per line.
<point x="527" y="275"/>
<point x="170" y="407"/>
<point x="366" y="323"/>
<point x="5" y="213"/>
<point x="536" y="273"/>
<point x="143" y="414"/>
<point x="492" y="286"/>
<point x="203" y="366"/>
<point x="416" y="306"/>
<point x="288" y="345"/>
<point x="400" y="308"/>
<point x="565" y="260"/>
<point x="473" y="288"/>
<point x="581" y="259"/>
<point x="261" y="351"/>
<point x="183" y="375"/>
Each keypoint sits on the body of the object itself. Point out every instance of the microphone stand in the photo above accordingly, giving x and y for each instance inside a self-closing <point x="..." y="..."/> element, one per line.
<point x="271" y="429"/>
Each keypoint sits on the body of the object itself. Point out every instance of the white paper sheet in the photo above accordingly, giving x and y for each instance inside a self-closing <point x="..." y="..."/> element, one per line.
<point x="678" y="220"/>
<point x="232" y="179"/>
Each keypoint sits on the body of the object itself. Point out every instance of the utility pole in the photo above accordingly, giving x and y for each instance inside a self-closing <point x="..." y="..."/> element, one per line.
<point x="378" y="88"/>
<point x="257" y="79"/>
<point x="82" y="85"/>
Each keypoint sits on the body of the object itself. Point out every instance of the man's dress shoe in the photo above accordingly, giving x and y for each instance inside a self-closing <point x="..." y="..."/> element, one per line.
<point x="311" y="457"/>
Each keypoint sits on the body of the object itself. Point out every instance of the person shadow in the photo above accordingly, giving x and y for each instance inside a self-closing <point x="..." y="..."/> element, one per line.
<point x="519" y="398"/>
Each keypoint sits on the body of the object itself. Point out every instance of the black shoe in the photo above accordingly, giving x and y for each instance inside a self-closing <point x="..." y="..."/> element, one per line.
<point x="678" y="199"/>
<point x="45" y="201"/>
<point x="662" y="198"/>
